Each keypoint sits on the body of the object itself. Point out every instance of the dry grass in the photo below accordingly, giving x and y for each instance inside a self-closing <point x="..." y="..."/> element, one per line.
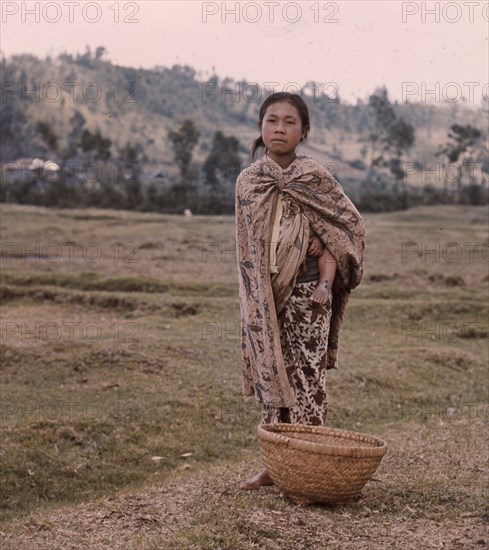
<point x="94" y="424"/>
<point x="421" y="496"/>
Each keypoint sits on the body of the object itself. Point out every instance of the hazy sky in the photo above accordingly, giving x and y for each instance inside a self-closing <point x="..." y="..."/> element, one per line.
<point x="348" y="46"/>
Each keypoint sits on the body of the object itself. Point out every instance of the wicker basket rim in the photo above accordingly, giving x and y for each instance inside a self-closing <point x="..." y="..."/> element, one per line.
<point x="376" y="447"/>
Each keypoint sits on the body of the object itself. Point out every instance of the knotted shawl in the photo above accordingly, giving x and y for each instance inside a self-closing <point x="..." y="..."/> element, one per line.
<point x="318" y="201"/>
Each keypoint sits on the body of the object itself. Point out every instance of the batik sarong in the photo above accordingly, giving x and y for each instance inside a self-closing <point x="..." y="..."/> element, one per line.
<point x="304" y="327"/>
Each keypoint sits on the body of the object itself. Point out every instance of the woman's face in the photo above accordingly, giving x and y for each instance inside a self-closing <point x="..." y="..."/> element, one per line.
<point x="281" y="128"/>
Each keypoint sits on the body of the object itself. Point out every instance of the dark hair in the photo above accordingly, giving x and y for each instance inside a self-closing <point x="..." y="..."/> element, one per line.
<point x="296" y="100"/>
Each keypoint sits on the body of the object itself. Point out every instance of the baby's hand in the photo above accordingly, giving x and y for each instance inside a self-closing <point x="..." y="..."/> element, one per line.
<point x="321" y="293"/>
<point x="315" y="247"/>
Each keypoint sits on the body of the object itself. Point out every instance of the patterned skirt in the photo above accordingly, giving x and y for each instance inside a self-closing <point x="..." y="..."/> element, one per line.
<point x="304" y="328"/>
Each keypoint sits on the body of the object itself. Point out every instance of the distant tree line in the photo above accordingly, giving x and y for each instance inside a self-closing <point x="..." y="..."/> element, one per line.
<point x="206" y="189"/>
<point x="209" y="188"/>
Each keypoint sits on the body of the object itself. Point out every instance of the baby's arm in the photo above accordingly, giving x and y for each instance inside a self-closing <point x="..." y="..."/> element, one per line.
<point x="327" y="272"/>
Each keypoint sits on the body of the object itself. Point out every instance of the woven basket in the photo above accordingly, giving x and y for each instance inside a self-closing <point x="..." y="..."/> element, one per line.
<point x="316" y="464"/>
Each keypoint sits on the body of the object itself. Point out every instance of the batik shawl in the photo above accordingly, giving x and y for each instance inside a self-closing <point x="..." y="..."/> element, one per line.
<point x="322" y="204"/>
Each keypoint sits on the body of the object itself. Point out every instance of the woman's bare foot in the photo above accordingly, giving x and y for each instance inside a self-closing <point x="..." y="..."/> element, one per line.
<point x="261" y="479"/>
<point x="320" y="294"/>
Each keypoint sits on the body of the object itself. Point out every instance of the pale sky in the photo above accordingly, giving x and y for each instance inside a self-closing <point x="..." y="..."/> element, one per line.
<point x="348" y="46"/>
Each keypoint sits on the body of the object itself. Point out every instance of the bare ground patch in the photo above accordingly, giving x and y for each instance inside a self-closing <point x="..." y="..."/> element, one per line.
<point x="429" y="492"/>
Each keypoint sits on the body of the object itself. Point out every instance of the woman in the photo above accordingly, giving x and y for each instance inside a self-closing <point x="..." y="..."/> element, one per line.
<point x="289" y="212"/>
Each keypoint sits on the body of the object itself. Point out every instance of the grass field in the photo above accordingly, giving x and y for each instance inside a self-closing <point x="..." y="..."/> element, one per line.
<point x="122" y="419"/>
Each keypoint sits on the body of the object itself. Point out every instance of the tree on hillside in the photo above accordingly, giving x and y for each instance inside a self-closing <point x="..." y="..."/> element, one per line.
<point x="389" y="136"/>
<point x="464" y="149"/>
<point x="77" y="122"/>
<point x="95" y="144"/>
<point x="383" y="117"/>
<point x="183" y="142"/>
<point x="223" y="163"/>
<point x="47" y="135"/>
<point x="129" y="155"/>
<point x="85" y="60"/>
<point x="13" y="119"/>
<point x="131" y="173"/>
<point x="100" y="52"/>
<point x="360" y="117"/>
<point x="401" y="138"/>
<point x="461" y="138"/>
<point x="221" y="168"/>
<point x="97" y="148"/>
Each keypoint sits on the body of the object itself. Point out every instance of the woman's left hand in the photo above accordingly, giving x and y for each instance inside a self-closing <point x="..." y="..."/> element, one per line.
<point x="315" y="247"/>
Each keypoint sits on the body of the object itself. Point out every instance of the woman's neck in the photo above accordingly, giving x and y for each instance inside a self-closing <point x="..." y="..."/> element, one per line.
<point x="283" y="161"/>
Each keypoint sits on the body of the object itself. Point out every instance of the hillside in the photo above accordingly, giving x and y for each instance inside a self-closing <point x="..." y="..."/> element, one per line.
<point x="139" y="106"/>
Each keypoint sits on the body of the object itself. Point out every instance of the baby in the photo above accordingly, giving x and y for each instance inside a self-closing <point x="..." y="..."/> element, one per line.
<point x="327" y="270"/>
